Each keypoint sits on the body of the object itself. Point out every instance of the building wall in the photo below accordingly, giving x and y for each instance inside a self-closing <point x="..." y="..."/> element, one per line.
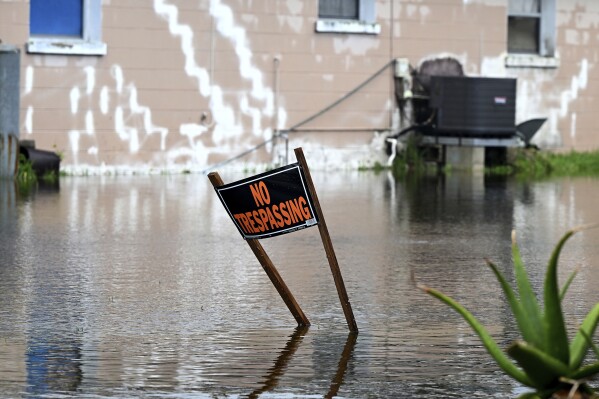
<point x="188" y="84"/>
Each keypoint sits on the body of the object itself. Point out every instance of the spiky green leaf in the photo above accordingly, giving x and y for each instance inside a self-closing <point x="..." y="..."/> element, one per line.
<point x="591" y="344"/>
<point x="496" y="353"/>
<point x="585" y="371"/>
<point x="530" y="332"/>
<point x="528" y="299"/>
<point x="580" y="345"/>
<point x="557" y="337"/>
<point x="543" y="369"/>
<point x="564" y="290"/>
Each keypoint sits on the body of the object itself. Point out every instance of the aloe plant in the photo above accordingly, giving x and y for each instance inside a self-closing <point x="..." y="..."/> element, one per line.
<point x="543" y="358"/>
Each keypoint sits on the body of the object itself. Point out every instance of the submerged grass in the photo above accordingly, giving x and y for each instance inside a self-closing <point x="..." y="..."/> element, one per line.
<point x="411" y="160"/>
<point x="532" y="163"/>
<point x="25" y="173"/>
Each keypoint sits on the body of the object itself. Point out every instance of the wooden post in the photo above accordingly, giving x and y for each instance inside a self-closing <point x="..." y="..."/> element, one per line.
<point x="328" y="245"/>
<point x="270" y="269"/>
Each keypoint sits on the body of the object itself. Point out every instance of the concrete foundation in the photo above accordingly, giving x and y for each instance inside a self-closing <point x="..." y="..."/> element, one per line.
<point x="465" y="158"/>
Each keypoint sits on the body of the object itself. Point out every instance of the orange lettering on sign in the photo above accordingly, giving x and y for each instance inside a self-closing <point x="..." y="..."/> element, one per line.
<point x="260" y="193"/>
<point x="267" y="218"/>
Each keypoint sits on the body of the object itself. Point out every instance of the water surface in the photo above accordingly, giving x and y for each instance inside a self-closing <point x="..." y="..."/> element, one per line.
<point x="140" y="286"/>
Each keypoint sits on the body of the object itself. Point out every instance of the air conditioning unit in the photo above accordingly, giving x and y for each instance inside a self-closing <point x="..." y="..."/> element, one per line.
<point x="473" y="106"/>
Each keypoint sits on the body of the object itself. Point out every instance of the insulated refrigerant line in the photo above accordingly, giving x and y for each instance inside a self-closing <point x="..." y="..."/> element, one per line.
<point x="292" y="129"/>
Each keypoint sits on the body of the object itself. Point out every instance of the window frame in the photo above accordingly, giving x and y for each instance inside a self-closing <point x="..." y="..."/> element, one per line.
<point x="365" y="24"/>
<point x="89" y="44"/>
<point x="546" y="55"/>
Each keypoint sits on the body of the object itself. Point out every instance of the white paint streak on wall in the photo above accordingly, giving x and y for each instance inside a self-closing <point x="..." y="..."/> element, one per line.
<point x="224" y="117"/>
<point x="192" y="131"/>
<point x="225" y="25"/>
<point x="146" y="114"/>
<point x="104" y="100"/>
<point x="355" y="45"/>
<point x="93" y="150"/>
<point x="492" y="66"/>
<point x="227" y="127"/>
<point x="196" y="149"/>
<point x="195" y="152"/>
<point x="117" y="73"/>
<point x="119" y="124"/>
<point x="533" y="98"/>
<point x="295" y="23"/>
<point x="75" y="95"/>
<point x="282" y="118"/>
<point x="75" y="98"/>
<point x="424" y="13"/>
<point x="185" y="33"/>
<point x="28" y="79"/>
<point x="90" y="73"/>
<point x="29" y="120"/>
<point x="255" y="114"/>
<point x="74" y="139"/>
<point x="89" y="122"/>
<point x="572" y="37"/>
<point x="295" y="6"/>
<point x="126" y="133"/>
<point x="578" y="82"/>
<point x="134" y="108"/>
<point x="411" y="10"/>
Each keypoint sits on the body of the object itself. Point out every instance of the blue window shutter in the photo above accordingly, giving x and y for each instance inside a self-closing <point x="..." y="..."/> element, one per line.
<point x="56" y="17"/>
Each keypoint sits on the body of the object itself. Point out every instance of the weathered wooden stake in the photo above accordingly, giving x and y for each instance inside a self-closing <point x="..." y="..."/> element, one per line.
<point x="328" y="245"/>
<point x="270" y="269"/>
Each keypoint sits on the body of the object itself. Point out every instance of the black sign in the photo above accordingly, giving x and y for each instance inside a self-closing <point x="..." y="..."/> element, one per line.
<point x="269" y="204"/>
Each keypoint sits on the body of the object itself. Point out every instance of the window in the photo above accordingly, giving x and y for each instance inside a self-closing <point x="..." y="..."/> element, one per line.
<point x="531" y="30"/>
<point x="341" y="9"/>
<point x="524" y="27"/>
<point x="65" y="27"/>
<point x="347" y="16"/>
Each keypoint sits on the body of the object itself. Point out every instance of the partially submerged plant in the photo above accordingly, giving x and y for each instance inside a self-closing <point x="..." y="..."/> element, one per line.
<point x="25" y="174"/>
<point x="544" y="358"/>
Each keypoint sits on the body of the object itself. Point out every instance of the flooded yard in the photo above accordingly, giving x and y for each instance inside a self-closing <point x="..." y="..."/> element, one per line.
<point x="141" y="286"/>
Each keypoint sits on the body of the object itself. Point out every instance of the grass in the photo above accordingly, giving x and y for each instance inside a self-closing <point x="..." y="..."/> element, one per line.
<point x="532" y="163"/>
<point x="377" y="167"/>
<point x="412" y="160"/>
<point x="25" y="173"/>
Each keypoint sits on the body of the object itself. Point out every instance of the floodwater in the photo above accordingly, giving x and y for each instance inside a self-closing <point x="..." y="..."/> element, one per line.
<point x="141" y="287"/>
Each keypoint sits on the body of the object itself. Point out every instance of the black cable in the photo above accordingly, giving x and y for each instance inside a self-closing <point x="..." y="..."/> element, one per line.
<point x="297" y="125"/>
<point x="339" y="101"/>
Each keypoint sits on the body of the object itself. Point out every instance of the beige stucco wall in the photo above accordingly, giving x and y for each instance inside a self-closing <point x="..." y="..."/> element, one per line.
<point x="252" y="67"/>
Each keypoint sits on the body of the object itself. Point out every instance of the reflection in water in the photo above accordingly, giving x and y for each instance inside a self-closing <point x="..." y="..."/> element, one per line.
<point x="346" y="355"/>
<point x="282" y="362"/>
<point x="53" y="366"/>
<point x="141" y="287"/>
<point x="286" y="356"/>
